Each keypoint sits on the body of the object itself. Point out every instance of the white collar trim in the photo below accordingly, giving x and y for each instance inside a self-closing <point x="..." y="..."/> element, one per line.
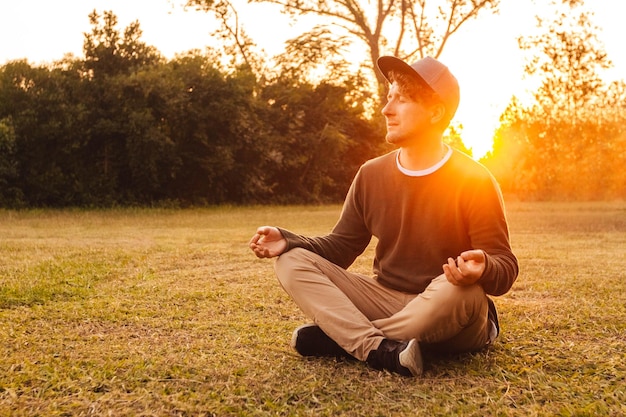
<point x="427" y="171"/>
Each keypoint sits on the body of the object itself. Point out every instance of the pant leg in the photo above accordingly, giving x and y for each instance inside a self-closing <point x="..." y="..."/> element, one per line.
<point x="342" y="303"/>
<point x="445" y="317"/>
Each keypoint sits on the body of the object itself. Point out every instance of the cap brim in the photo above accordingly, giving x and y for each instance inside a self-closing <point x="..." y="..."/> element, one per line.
<point x="391" y="63"/>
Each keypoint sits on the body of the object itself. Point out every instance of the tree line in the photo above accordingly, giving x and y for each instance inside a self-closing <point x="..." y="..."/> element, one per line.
<point x="125" y="126"/>
<point x="569" y="142"/>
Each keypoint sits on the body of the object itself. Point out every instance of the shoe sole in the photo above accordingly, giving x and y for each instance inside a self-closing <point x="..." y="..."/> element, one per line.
<point x="294" y="335"/>
<point x="411" y="358"/>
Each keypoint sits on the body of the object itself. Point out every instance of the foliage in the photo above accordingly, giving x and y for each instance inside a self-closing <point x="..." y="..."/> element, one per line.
<point x="10" y="195"/>
<point x="109" y="52"/>
<point x="320" y="134"/>
<point x="166" y="312"/>
<point x="570" y="142"/>
<point x="315" y="151"/>
<point x="124" y="126"/>
<point x="452" y="137"/>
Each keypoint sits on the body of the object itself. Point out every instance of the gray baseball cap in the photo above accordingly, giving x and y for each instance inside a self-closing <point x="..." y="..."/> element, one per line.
<point x="432" y="73"/>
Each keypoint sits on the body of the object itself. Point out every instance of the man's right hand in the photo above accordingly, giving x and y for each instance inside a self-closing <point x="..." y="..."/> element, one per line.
<point x="268" y="242"/>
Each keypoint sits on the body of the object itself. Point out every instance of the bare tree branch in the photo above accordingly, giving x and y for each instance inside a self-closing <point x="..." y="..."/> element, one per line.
<point x="419" y="31"/>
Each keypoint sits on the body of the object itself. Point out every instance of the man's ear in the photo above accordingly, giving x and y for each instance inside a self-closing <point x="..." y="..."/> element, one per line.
<point x="438" y="112"/>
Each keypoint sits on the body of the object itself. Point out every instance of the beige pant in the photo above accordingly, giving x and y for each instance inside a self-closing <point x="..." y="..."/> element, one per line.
<point x="358" y="312"/>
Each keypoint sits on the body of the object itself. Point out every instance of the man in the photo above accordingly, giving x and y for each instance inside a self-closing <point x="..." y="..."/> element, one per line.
<point x="443" y="242"/>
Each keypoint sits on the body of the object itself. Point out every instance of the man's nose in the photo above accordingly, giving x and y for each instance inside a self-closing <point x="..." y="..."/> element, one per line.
<point x="387" y="109"/>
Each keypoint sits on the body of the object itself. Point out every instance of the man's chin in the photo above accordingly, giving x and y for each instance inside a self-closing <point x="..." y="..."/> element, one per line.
<point x="393" y="139"/>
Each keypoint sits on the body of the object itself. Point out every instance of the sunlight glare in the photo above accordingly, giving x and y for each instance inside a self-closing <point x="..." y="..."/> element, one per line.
<point x="486" y="60"/>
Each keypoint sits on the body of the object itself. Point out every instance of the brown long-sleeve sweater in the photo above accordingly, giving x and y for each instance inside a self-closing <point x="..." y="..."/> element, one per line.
<point x="419" y="222"/>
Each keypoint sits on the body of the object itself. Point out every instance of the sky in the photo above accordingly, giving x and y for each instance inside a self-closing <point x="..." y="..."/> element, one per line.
<point x="483" y="55"/>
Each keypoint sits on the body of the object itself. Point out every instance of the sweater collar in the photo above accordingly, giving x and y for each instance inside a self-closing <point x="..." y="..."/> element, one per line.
<point x="427" y="171"/>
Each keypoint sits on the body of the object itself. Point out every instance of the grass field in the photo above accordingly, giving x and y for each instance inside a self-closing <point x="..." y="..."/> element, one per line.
<point x="167" y="313"/>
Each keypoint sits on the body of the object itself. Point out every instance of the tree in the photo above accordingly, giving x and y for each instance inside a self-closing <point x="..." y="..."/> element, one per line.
<point x="10" y="194"/>
<point x="237" y="44"/>
<point x="149" y="148"/>
<point x="420" y="28"/>
<point x="111" y="57"/>
<point x="45" y="122"/>
<point x="566" y="133"/>
<point x="108" y="52"/>
<point x="124" y="126"/>
<point x="507" y="158"/>
<point x="318" y="140"/>
<point x="317" y="131"/>
<point x="212" y="121"/>
<point x="453" y="138"/>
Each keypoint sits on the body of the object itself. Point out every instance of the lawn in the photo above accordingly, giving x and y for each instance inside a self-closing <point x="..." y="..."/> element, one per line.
<point x="154" y="312"/>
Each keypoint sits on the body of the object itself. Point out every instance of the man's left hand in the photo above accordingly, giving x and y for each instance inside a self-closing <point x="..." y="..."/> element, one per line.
<point x="467" y="269"/>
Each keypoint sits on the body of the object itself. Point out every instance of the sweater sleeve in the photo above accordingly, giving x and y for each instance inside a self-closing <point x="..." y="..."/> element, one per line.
<point x="500" y="273"/>
<point x="489" y="232"/>
<point x="347" y="240"/>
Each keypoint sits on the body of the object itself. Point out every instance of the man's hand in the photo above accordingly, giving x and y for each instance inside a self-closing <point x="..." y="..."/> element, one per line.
<point x="268" y="242"/>
<point x="468" y="269"/>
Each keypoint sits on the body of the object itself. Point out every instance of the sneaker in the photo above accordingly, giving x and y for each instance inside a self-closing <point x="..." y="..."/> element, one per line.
<point x="404" y="358"/>
<point x="310" y="340"/>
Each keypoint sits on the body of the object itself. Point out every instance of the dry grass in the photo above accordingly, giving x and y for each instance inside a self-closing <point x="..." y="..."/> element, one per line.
<point x="166" y="313"/>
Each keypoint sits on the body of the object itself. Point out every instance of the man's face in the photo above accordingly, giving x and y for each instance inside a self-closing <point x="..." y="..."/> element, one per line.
<point x="407" y="118"/>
